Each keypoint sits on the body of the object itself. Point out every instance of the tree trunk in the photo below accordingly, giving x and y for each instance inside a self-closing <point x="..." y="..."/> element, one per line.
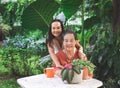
<point x="116" y="15"/>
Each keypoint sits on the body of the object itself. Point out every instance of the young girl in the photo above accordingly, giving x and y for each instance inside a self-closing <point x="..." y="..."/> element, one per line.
<point x="69" y="52"/>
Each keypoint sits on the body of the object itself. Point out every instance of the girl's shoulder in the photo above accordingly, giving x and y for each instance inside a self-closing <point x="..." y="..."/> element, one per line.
<point x="60" y="52"/>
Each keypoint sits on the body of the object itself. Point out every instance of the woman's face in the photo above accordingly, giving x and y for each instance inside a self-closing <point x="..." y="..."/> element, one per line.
<point x="56" y="29"/>
<point x="69" y="42"/>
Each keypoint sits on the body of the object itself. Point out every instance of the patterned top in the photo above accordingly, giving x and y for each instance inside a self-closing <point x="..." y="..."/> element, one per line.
<point x="63" y="58"/>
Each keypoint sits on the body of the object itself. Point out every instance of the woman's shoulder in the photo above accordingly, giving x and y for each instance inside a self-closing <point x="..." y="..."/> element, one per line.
<point x="57" y="44"/>
<point x="55" y="49"/>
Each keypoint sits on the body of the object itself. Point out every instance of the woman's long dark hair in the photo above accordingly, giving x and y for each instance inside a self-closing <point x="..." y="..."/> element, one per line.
<point x="50" y="36"/>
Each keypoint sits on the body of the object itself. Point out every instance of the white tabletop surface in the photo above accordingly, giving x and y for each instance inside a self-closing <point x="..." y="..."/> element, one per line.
<point x="41" y="81"/>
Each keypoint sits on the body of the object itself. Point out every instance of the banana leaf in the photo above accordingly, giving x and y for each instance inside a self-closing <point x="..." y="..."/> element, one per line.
<point x="39" y="14"/>
<point x="70" y="7"/>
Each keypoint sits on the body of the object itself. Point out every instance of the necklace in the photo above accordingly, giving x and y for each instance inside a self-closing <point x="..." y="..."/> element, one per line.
<point x="69" y="57"/>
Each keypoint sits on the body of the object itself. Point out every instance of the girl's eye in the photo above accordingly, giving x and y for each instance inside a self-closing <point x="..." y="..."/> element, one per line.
<point x="72" y="40"/>
<point x="66" y="40"/>
<point x="58" y="27"/>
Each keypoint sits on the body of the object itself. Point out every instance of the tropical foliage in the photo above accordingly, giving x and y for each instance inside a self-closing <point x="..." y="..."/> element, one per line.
<point x="18" y="54"/>
<point x="39" y="14"/>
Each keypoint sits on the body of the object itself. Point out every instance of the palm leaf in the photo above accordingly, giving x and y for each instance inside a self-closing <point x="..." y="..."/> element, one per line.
<point x="39" y="14"/>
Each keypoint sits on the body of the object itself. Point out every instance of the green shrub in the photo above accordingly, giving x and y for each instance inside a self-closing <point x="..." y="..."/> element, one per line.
<point x="20" y="61"/>
<point x="21" y="55"/>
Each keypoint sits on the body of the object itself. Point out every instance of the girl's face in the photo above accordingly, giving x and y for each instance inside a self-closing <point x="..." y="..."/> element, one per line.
<point x="56" y="29"/>
<point x="69" y="42"/>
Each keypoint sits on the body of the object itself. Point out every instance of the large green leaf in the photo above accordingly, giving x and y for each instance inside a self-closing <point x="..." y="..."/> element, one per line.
<point x="39" y="14"/>
<point x="90" y="22"/>
<point x="70" y="7"/>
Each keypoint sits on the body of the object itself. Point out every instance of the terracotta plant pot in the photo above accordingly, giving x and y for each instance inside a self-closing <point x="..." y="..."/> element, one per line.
<point x="85" y="73"/>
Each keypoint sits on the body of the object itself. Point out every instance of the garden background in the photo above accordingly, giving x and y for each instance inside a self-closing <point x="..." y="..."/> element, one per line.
<point x="24" y="25"/>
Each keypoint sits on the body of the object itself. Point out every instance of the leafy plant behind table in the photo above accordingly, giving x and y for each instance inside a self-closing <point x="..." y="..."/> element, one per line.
<point x="20" y="57"/>
<point x="104" y="51"/>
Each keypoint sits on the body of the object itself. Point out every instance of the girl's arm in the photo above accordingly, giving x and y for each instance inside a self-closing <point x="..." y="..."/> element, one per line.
<point x="82" y="55"/>
<point x="80" y="50"/>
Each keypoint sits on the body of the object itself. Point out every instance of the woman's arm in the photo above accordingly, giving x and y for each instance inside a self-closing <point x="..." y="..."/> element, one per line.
<point x="53" y="56"/>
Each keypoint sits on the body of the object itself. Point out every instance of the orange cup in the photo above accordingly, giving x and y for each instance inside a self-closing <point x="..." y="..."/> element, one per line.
<point x="49" y="72"/>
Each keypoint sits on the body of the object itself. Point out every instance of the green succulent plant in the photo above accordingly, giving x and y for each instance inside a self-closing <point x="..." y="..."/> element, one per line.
<point x="77" y="65"/>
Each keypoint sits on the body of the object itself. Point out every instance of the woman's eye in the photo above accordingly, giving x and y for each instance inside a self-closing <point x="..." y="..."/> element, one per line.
<point x="53" y="28"/>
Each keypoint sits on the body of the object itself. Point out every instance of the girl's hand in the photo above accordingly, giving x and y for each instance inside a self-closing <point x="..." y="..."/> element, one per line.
<point x="58" y="72"/>
<point x="59" y="66"/>
<point x="78" y="46"/>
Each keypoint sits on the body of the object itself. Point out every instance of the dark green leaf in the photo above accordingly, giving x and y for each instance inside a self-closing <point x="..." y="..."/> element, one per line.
<point x="70" y="7"/>
<point x="90" y="22"/>
<point x="110" y="62"/>
<point x="39" y="14"/>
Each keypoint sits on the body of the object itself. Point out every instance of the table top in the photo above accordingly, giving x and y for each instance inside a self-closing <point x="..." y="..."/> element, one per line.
<point x="41" y="81"/>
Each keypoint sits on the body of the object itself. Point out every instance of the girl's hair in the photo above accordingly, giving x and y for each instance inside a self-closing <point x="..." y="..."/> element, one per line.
<point x="69" y="31"/>
<point x="50" y="36"/>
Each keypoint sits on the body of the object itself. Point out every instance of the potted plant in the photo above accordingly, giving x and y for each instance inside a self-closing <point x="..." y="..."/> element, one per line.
<point x="72" y="73"/>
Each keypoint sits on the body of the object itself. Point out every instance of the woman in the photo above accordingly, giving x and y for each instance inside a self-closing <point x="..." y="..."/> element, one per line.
<point x="54" y="40"/>
<point x="69" y="52"/>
